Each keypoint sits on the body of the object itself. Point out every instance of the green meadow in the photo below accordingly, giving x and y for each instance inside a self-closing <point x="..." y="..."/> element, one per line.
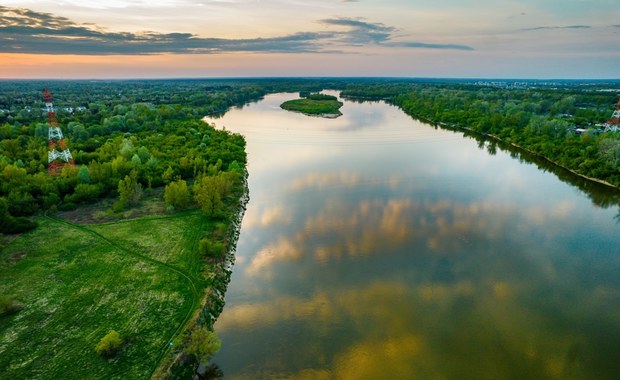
<point x="143" y="278"/>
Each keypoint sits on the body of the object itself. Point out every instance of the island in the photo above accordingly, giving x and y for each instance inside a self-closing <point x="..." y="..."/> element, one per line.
<point x="321" y="105"/>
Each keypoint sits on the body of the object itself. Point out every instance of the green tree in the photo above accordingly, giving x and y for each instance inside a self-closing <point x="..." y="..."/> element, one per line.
<point x="110" y="344"/>
<point x="129" y="191"/>
<point x="126" y="149"/>
<point x="610" y="150"/>
<point x="203" y="344"/>
<point x="209" y="191"/>
<point x="168" y="175"/>
<point x="144" y="154"/>
<point x="84" y="174"/>
<point x="176" y="194"/>
<point x="135" y="159"/>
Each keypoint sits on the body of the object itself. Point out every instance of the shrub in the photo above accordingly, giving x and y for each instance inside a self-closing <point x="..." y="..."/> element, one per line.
<point x="110" y="344"/>
<point x="211" y="248"/>
<point x="9" y="306"/>
<point x="203" y="344"/>
<point x="176" y="194"/>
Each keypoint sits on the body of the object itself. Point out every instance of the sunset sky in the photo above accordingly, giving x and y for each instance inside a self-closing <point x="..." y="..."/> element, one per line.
<point x="232" y="38"/>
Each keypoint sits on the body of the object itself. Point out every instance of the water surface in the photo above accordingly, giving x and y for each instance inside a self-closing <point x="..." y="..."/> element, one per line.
<point x="378" y="247"/>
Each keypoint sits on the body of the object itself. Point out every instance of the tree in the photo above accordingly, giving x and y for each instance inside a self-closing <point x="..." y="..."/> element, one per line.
<point x="168" y="174"/>
<point x="203" y="344"/>
<point x="208" y="192"/>
<point x="110" y="344"/>
<point x="129" y="191"/>
<point x="135" y="159"/>
<point x="176" y="194"/>
<point x="126" y="149"/>
<point x="84" y="174"/>
<point x="610" y="150"/>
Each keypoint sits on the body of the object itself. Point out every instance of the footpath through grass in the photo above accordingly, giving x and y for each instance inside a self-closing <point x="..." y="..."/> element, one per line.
<point x="140" y="277"/>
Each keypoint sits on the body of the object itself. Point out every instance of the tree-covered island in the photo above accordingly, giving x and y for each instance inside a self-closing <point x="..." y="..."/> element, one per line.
<point x="321" y="105"/>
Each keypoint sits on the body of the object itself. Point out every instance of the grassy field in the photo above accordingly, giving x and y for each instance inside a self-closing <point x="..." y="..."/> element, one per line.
<point x="141" y="277"/>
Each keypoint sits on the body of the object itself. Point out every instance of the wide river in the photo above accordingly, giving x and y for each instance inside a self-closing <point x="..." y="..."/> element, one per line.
<point x="378" y="247"/>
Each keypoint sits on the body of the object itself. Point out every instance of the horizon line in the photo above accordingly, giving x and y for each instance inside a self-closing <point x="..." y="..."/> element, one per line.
<point x="311" y="77"/>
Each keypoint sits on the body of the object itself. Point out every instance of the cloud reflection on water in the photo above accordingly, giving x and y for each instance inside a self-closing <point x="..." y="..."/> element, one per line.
<point x="438" y="333"/>
<point x="371" y="227"/>
<point x="473" y="266"/>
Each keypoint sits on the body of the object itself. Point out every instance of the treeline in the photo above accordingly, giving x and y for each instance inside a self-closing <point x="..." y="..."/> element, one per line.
<point x="119" y="150"/>
<point x="540" y="120"/>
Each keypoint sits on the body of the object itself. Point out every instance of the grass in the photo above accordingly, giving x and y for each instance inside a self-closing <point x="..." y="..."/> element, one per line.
<point x="141" y="277"/>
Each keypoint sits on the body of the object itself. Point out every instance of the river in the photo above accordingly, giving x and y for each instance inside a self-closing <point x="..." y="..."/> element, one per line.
<point x="378" y="247"/>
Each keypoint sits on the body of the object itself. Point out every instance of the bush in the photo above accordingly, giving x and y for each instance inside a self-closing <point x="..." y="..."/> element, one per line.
<point x="9" y="306"/>
<point x="210" y="248"/>
<point x="15" y="225"/>
<point x="203" y="344"/>
<point x="110" y="344"/>
<point x="176" y="194"/>
<point x="321" y="97"/>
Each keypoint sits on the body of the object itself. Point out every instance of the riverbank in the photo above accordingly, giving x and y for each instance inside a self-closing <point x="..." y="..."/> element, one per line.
<point x="523" y="149"/>
<point x="494" y="137"/>
<point x="178" y="364"/>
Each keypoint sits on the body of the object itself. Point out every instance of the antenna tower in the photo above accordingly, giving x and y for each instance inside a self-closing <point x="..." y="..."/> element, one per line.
<point x="56" y="158"/>
<point x="613" y="124"/>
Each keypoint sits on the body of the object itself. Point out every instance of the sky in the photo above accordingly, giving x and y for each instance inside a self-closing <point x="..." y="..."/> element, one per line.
<point x="541" y="39"/>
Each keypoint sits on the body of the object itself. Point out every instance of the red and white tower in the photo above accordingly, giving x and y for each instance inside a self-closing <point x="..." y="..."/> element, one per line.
<point x="56" y="158"/>
<point x="613" y="124"/>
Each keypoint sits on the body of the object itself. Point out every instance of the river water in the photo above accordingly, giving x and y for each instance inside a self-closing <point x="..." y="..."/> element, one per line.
<point x="378" y="247"/>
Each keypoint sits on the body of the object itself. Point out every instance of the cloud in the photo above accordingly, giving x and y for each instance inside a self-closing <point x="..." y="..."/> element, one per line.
<point x="277" y="215"/>
<point x="377" y="227"/>
<point x="399" y="329"/>
<point x="558" y="27"/>
<point x="361" y="32"/>
<point x="27" y="31"/>
<point x="319" y="180"/>
<point x="432" y="46"/>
